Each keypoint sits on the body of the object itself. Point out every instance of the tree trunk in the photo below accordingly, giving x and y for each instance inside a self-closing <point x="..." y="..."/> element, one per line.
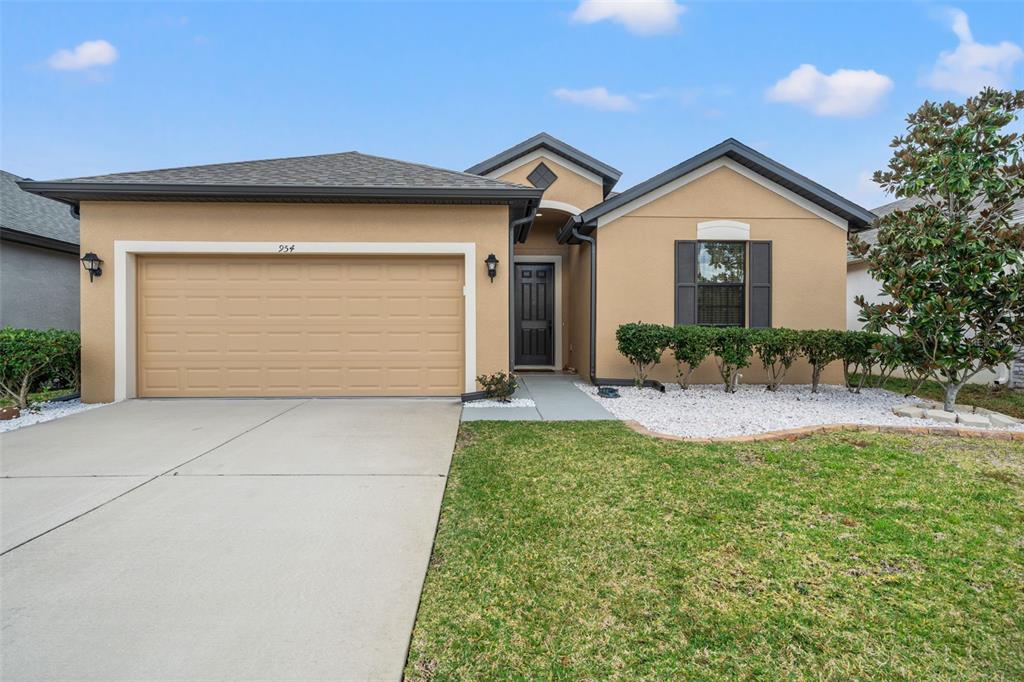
<point x="815" y="377"/>
<point x="949" y="404"/>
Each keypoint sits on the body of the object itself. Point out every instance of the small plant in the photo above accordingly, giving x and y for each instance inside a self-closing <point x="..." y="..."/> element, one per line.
<point x="821" y="347"/>
<point x="29" y="356"/>
<point x="690" y="346"/>
<point x="643" y="345"/>
<point x="860" y="354"/>
<point x="778" y="349"/>
<point x="733" y="347"/>
<point x="499" y="386"/>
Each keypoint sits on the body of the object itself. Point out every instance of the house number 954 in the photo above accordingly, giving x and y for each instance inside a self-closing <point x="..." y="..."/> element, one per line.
<point x="285" y="248"/>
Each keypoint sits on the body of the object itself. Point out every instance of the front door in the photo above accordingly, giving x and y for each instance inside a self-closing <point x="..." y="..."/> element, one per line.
<point x="535" y="314"/>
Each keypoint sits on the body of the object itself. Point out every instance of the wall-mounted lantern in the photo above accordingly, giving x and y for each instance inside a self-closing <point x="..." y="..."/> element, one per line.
<point x="91" y="262"/>
<point x="492" y="266"/>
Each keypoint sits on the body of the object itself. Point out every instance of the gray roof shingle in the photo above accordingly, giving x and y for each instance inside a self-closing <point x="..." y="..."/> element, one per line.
<point x="346" y="169"/>
<point x="34" y="215"/>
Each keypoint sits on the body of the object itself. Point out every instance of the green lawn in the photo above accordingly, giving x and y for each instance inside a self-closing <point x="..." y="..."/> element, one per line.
<point x="1002" y="400"/>
<point x="584" y="551"/>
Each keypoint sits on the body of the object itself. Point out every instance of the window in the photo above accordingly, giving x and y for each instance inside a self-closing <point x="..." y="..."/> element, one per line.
<point x="721" y="269"/>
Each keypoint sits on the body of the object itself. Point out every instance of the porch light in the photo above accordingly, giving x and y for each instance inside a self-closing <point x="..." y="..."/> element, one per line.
<point x="492" y="266"/>
<point x="91" y="262"/>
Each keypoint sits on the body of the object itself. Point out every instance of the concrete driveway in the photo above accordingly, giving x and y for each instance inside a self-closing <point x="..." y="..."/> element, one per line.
<point x="220" y="539"/>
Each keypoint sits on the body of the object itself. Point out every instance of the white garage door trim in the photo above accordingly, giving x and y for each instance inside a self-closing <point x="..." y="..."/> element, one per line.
<point x="125" y="286"/>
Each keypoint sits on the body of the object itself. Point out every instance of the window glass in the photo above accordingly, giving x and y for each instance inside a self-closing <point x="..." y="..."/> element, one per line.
<point x="721" y="268"/>
<point x="721" y="262"/>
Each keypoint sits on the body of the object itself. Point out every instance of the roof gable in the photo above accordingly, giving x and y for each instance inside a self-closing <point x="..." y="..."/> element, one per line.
<point x="756" y="165"/>
<point x="607" y="175"/>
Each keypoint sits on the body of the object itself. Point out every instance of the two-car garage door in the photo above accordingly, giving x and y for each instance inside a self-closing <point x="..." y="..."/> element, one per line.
<point x="294" y="325"/>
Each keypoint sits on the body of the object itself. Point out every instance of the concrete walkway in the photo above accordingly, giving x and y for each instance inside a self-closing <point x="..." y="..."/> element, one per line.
<point x="555" y="396"/>
<point x="220" y="539"/>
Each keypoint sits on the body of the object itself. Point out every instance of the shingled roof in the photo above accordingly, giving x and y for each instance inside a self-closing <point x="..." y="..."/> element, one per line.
<point x="344" y="176"/>
<point x="23" y="214"/>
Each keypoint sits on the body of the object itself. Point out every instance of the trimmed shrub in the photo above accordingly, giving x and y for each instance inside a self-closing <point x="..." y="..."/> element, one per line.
<point x="28" y="357"/>
<point x="821" y="347"/>
<point x="860" y="354"/>
<point x="643" y="345"/>
<point x="777" y="348"/>
<point x="499" y="386"/>
<point x="733" y="347"/>
<point x="690" y="345"/>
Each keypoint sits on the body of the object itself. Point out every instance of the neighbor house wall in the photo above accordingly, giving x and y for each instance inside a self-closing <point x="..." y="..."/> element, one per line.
<point x="104" y="222"/>
<point x="38" y="287"/>
<point x="636" y="271"/>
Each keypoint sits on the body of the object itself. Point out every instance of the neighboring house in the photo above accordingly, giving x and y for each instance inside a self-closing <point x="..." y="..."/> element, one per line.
<point x="39" y="268"/>
<point x="859" y="282"/>
<point x="348" y="274"/>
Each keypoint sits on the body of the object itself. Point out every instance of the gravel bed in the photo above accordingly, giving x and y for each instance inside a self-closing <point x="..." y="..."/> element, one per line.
<point x="707" y="411"/>
<point x="515" y="402"/>
<point x="45" y="412"/>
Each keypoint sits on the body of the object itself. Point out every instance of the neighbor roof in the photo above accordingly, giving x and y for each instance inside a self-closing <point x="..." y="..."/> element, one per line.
<point x="348" y="176"/>
<point x="608" y="175"/>
<point x="24" y="215"/>
<point x="858" y="217"/>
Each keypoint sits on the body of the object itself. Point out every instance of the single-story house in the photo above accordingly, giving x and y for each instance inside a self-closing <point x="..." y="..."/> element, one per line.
<point x="860" y="283"/>
<point x="350" y="274"/>
<point x="39" y="269"/>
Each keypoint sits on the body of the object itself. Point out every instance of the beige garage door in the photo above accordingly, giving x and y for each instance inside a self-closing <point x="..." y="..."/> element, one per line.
<point x="300" y="325"/>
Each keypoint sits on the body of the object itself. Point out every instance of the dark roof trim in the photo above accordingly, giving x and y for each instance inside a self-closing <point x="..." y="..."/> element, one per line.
<point x="858" y="217"/>
<point x="73" y="192"/>
<point x="544" y="141"/>
<point x="9" y="235"/>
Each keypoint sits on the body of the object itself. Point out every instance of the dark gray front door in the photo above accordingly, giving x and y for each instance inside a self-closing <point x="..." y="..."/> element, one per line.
<point x="535" y="314"/>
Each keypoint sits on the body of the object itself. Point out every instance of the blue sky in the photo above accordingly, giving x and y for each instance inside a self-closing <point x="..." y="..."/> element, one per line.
<point x="822" y="87"/>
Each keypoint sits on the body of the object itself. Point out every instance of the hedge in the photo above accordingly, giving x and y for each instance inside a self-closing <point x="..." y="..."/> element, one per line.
<point x="643" y="344"/>
<point x="31" y="359"/>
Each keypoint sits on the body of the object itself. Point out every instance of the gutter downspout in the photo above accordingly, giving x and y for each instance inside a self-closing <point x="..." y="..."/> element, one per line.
<point x="512" y="283"/>
<point x="593" y="298"/>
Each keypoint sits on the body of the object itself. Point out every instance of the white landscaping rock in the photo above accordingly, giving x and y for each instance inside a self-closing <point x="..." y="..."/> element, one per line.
<point x="1001" y="421"/>
<point x="706" y="411"/>
<point x="44" y="412"/>
<point x="514" y="402"/>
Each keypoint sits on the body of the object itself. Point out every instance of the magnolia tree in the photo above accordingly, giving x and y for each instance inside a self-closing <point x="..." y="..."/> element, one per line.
<point x="952" y="266"/>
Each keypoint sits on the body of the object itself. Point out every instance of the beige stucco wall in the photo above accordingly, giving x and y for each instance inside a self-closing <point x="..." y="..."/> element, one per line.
<point x="104" y="222"/>
<point x="636" y="268"/>
<point x="578" y="274"/>
<point x="570" y="187"/>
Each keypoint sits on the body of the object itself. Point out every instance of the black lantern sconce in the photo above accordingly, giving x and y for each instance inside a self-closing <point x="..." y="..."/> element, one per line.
<point x="492" y="266"/>
<point x="91" y="262"/>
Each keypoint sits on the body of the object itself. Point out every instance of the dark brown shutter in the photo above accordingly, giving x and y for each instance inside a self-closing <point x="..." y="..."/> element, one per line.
<point x="686" y="282"/>
<point x="760" y="284"/>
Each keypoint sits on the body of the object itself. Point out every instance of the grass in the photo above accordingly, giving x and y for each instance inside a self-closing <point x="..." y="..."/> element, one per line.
<point x="585" y="551"/>
<point x="1005" y="400"/>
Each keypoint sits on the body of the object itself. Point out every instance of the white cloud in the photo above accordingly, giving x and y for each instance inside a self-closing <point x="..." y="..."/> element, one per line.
<point x="642" y="17"/>
<point x="845" y="92"/>
<point x="86" y="55"/>
<point x="596" y="98"/>
<point x="972" y="66"/>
